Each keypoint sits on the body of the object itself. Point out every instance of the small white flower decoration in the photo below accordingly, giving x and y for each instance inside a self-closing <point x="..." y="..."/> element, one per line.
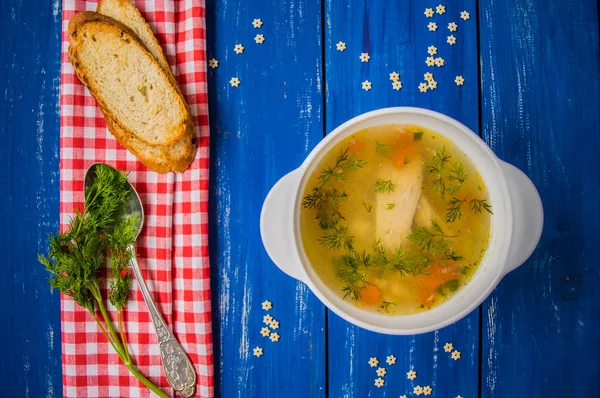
<point x="364" y="57"/>
<point x="429" y="12"/>
<point x="267" y="305"/>
<point x="432" y="85"/>
<point x="423" y="87"/>
<point x="403" y="396"/>
<point x="394" y="76"/>
<point x="234" y="82"/>
<point x="257" y="23"/>
<point x="452" y="27"/>
<point x="366" y="85"/>
<point x="418" y="390"/>
<point x="265" y="332"/>
<point x="427" y="390"/>
<point x="465" y="15"/>
<point x="430" y="61"/>
<point x="373" y="362"/>
<point x="392" y="359"/>
<point x="451" y="40"/>
<point x="341" y="46"/>
<point x="259" y="39"/>
<point x="432" y="26"/>
<point x="258" y="351"/>
<point x="432" y="50"/>
<point x="459" y="80"/>
<point x="396" y="86"/>
<point x="428" y="76"/>
<point x="379" y="382"/>
<point x="267" y="319"/>
<point x="238" y="49"/>
<point x="448" y="347"/>
<point x="381" y="372"/>
<point x="213" y="63"/>
<point x="455" y="355"/>
<point x="440" y="9"/>
<point x="274" y="337"/>
<point x="439" y="62"/>
<point x="411" y="374"/>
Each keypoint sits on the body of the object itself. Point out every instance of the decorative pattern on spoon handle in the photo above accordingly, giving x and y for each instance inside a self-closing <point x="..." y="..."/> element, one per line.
<point x="179" y="370"/>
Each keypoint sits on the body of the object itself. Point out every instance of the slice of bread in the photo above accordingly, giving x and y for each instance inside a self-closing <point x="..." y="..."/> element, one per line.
<point x="126" y="80"/>
<point x="183" y="152"/>
<point x="126" y="13"/>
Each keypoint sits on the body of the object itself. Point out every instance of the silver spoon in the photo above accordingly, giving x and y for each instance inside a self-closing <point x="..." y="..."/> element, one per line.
<point x="178" y="368"/>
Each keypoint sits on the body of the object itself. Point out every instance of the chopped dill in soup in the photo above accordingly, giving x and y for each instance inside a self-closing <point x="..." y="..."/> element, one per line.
<point x="395" y="219"/>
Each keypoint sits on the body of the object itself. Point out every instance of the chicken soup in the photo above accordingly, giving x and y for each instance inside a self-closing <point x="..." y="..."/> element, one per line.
<point x="395" y="219"/>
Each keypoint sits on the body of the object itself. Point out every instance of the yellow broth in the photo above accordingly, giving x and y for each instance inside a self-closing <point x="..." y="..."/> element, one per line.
<point x="395" y="219"/>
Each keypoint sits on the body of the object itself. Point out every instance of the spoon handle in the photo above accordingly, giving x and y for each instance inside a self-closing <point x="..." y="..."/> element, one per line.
<point x="179" y="370"/>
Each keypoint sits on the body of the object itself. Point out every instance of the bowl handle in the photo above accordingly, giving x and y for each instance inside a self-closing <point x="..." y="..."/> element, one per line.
<point x="277" y="225"/>
<point x="528" y="216"/>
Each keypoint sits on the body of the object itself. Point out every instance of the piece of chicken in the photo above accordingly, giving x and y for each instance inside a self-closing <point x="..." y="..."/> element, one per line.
<point x="395" y="224"/>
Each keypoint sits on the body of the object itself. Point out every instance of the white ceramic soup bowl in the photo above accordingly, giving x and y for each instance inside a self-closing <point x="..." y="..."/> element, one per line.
<point x="515" y="229"/>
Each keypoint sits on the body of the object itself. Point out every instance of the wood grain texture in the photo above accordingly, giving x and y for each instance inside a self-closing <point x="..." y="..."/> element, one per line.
<point x="259" y="132"/>
<point x="29" y="66"/>
<point x="540" y="92"/>
<point x="395" y="35"/>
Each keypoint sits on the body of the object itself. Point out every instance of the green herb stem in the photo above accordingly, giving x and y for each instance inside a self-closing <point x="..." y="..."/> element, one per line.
<point x="122" y="333"/>
<point x="155" y="389"/>
<point x="111" y="329"/>
<point x="117" y="350"/>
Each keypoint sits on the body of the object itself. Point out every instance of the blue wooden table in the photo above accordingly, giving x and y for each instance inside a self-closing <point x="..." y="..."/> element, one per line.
<point x="532" y="72"/>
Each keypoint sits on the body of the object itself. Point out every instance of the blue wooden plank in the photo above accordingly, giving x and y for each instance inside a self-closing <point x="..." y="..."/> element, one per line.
<point x="395" y="35"/>
<point x="260" y="131"/>
<point x="540" y="91"/>
<point x="29" y="66"/>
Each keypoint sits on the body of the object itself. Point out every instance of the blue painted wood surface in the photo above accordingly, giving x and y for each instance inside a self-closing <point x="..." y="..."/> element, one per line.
<point x="260" y="131"/>
<point x="535" y="96"/>
<point x="30" y="362"/>
<point x="540" y="111"/>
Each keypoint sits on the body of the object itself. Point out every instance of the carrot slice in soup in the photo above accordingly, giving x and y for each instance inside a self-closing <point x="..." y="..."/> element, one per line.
<point x="370" y="294"/>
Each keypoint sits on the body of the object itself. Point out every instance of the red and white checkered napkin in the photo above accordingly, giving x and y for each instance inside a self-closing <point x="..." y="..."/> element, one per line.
<point x="173" y="247"/>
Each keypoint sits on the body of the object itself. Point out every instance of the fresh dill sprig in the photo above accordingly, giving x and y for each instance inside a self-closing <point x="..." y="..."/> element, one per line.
<point x="458" y="175"/>
<point x="384" y="186"/>
<point x="451" y="255"/>
<point x="368" y="207"/>
<point x="326" y="201"/>
<point x="76" y="257"/>
<point x="352" y="269"/>
<point x="453" y="211"/>
<point x="434" y="240"/>
<point x="437" y="168"/>
<point x="120" y="255"/>
<point x="343" y="163"/>
<point x="448" y="177"/>
<point x="382" y="150"/>
<point x="401" y="261"/>
<point x="477" y="204"/>
<point x="390" y="206"/>
<point x="336" y="237"/>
